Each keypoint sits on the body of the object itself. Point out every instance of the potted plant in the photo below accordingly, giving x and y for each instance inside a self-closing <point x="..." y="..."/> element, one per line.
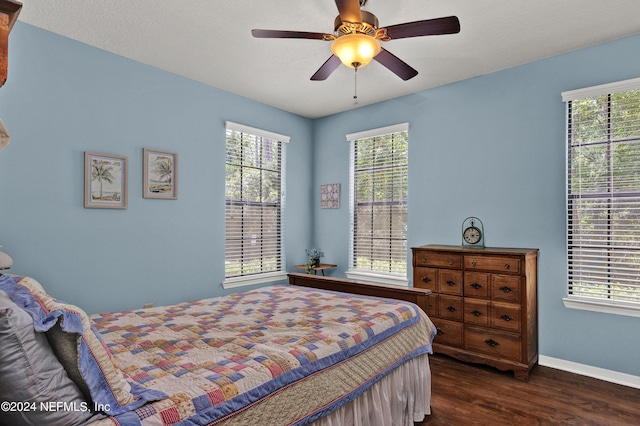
<point x="314" y="256"/>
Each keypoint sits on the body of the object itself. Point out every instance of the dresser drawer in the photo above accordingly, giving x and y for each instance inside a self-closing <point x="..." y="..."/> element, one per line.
<point x="450" y="307"/>
<point x="448" y="333"/>
<point x="492" y="263"/>
<point x="505" y="288"/>
<point x="476" y="311"/>
<point x="450" y="282"/>
<point x="476" y="284"/>
<point x="425" y="278"/>
<point x="500" y="344"/>
<point x="505" y="316"/>
<point x="432" y="305"/>
<point x="437" y="260"/>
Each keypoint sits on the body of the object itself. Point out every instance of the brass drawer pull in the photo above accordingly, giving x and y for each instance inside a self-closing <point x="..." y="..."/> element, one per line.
<point x="473" y="264"/>
<point x="476" y="286"/>
<point x="491" y="343"/>
<point x="439" y="331"/>
<point x="476" y="312"/>
<point x="451" y="308"/>
<point x="426" y="279"/>
<point x="451" y="262"/>
<point x="506" y="266"/>
<point x="423" y="260"/>
<point x="451" y="283"/>
<point x="506" y="317"/>
<point x="506" y="289"/>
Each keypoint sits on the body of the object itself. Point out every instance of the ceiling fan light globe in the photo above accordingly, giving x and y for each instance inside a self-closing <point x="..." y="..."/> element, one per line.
<point x="355" y="48"/>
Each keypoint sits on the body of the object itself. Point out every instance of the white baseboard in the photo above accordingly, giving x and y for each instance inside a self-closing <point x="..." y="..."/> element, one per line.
<point x="589" y="371"/>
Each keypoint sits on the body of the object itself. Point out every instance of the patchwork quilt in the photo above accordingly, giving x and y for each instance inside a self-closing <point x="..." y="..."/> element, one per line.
<point x="276" y="355"/>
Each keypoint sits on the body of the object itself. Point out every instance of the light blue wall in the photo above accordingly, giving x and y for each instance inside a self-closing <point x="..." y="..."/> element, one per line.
<point x="493" y="147"/>
<point x="63" y="98"/>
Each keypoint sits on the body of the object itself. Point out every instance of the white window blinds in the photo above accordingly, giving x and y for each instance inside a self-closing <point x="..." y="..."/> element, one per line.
<point x="379" y="183"/>
<point x="603" y="193"/>
<point x="254" y="197"/>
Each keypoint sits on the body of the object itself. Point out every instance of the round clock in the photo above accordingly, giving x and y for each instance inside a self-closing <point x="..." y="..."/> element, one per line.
<point x="472" y="235"/>
<point x="472" y="232"/>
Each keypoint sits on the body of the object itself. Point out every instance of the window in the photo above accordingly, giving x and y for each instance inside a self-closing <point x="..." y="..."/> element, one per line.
<point x="603" y="198"/>
<point x="254" y="198"/>
<point x="378" y="204"/>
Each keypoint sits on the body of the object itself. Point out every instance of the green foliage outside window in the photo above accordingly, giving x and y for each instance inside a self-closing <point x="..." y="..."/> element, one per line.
<point x="380" y="210"/>
<point x="253" y="205"/>
<point x="604" y="196"/>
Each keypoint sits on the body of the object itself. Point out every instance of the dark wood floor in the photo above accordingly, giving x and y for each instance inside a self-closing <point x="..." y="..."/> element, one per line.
<point x="468" y="394"/>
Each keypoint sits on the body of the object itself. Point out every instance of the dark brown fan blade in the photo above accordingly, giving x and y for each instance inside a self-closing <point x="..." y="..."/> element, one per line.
<point x="327" y="68"/>
<point x="349" y="10"/>
<point x="448" y="25"/>
<point x="395" y="65"/>
<point x="287" y="34"/>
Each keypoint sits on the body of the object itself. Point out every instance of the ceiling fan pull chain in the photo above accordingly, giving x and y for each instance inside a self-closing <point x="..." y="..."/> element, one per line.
<point x="355" y="88"/>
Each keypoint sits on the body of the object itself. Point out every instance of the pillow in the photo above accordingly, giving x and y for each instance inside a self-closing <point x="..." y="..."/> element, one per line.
<point x="30" y="374"/>
<point x="65" y="346"/>
<point x="92" y="364"/>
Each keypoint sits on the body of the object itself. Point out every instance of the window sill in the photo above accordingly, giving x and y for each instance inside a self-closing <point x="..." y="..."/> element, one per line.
<point x="357" y="275"/>
<point x="612" y="307"/>
<point x="253" y="279"/>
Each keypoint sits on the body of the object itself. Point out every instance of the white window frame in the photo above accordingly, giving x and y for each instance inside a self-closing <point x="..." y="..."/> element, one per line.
<point x="596" y="304"/>
<point x="281" y="274"/>
<point x="352" y="272"/>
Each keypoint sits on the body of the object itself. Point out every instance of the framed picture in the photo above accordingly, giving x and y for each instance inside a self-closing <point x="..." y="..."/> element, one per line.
<point x="105" y="181"/>
<point x="330" y="196"/>
<point x="159" y="174"/>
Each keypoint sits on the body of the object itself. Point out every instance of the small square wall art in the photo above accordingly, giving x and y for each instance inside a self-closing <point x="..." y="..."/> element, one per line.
<point x="330" y="196"/>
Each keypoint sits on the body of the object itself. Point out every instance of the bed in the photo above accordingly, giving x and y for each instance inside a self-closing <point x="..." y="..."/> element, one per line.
<point x="298" y="353"/>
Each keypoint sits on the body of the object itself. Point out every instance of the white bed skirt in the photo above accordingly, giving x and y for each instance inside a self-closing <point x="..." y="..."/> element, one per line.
<point x="400" y="398"/>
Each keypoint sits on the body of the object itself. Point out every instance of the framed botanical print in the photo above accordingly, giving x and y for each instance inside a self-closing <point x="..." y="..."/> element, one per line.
<point x="105" y="181"/>
<point x="159" y="174"/>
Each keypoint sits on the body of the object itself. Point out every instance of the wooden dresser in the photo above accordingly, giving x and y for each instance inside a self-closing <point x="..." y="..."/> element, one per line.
<point x="483" y="303"/>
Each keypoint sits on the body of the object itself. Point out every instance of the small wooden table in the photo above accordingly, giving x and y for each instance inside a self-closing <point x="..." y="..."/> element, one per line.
<point x="321" y="267"/>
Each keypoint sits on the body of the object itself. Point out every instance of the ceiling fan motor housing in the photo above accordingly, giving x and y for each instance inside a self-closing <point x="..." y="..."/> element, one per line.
<point x="368" y="26"/>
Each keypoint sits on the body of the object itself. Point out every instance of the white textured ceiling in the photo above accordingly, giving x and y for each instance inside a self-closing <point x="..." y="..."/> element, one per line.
<point x="210" y="41"/>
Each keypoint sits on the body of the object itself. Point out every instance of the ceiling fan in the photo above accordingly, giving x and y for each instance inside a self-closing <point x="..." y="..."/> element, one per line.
<point x="356" y="39"/>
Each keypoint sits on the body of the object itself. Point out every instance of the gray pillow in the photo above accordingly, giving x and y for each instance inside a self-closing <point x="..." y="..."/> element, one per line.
<point x="65" y="346"/>
<point x="30" y="374"/>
